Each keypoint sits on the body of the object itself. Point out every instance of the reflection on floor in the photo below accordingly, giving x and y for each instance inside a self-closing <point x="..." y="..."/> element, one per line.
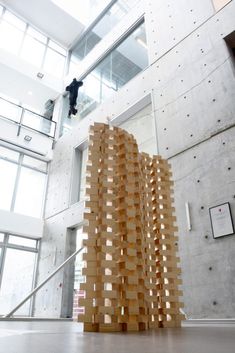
<point x="67" y="337"/>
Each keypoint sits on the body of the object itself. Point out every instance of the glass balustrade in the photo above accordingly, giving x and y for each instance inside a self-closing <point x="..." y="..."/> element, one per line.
<point x="26" y="118"/>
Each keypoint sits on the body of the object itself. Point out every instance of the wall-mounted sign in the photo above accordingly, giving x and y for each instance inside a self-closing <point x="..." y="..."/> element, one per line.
<point x="221" y="220"/>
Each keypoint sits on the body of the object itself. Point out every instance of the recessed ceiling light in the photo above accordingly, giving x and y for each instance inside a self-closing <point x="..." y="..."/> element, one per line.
<point x="27" y="138"/>
<point x="40" y="75"/>
<point x="30" y="93"/>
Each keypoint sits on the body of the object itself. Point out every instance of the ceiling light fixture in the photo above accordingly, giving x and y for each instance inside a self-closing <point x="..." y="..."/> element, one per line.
<point x="28" y="138"/>
<point x="40" y="75"/>
<point x="30" y="93"/>
<point x="141" y="42"/>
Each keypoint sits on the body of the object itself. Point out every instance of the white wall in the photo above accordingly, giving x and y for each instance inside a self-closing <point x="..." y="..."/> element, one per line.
<point x="18" y="224"/>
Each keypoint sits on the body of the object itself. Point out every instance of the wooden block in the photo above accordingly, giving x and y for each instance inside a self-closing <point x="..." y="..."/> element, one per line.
<point x="111" y="294"/>
<point x="85" y="302"/>
<point x="114" y="327"/>
<point x="91" y="271"/>
<point x="88" y="327"/>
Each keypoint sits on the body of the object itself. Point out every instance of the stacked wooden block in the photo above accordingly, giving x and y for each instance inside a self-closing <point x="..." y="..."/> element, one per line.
<point x="131" y="264"/>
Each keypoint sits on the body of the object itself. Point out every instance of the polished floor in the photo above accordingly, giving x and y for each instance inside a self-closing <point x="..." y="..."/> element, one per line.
<point x="67" y="337"/>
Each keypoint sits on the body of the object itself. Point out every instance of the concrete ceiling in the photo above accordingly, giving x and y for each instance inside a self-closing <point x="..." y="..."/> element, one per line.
<point x="48" y="18"/>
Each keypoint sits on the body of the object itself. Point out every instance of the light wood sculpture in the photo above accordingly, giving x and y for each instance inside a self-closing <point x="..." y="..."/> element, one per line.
<point x="131" y="268"/>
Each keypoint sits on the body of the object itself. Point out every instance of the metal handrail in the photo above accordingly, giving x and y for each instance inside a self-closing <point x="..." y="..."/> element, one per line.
<point x="43" y="283"/>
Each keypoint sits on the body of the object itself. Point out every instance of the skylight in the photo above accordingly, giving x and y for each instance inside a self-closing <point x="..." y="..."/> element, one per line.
<point x="83" y="11"/>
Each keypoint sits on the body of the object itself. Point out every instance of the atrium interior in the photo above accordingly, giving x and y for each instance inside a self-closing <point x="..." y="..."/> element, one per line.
<point x="164" y="72"/>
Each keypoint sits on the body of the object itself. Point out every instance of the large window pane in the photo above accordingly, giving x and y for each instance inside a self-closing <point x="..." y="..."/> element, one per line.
<point x="54" y="63"/>
<point x="142" y="127"/>
<point x="9" y="110"/>
<point x="103" y="27"/>
<point x="32" y="51"/>
<point x="17" y="280"/>
<point x="35" y="163"/>
<point x="7" y="183"/>
<point x="36" y="35"/>
<point x="15" y="21"/>
<point x="114" y="71"/>
<point x="1" y="237"/>
<point x="57" y="47"/>
<point x="31" y="243"/>
<point x="30" y="193"/>
<point x="10" y="37"/>
<point x="38" y="123"/>
<point x="6" y="153"/>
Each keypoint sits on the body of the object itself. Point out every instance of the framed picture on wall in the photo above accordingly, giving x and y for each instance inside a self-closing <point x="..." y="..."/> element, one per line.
<point x="221" y="220"/>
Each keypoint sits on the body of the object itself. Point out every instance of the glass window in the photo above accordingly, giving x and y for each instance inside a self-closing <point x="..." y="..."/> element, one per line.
<point x="10" y="37"/>
<point x="54" y="63"/>
<point x="31" y="243"/>
<point x="17" y="280"/>
<point x="114" y="71"/>
<point x="15" y="21"/>
<point x="103" y="27"/>
<point x="39" y="123"/>
<point x="36" y="35"/>
<point x="32" y="51"/>
<point x="10" y="154"/>
<point x="74" y="65"/>
<point x="142" y="126"/>
<point x="57" y="47"/>
<point x="1" y="237"/>
<point x="7" y="183"/>
<point x="35" y="163"/>
<point x="9" y="110"/>
<point x="29" y="199"/>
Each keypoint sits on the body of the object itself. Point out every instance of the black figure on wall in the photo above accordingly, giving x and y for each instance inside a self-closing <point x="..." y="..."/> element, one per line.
<point x="73" y="94"/>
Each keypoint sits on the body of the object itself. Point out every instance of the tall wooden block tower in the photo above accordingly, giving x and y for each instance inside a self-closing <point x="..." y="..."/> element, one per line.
<point x="132" y="273"/>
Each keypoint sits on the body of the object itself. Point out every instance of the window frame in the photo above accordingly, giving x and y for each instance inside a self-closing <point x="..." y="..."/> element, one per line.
<point x="139" y="22"/>
<point x="20" y="164"/>
<point x="89" y="30"/>
<point x="6" y="245"/>
<point x="75" y="184"/>
<point x="46" y="45"/>
<point x="114" y="45"/>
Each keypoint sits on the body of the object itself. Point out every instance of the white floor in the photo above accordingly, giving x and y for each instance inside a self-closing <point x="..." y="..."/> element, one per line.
<point x="67" y="337"/>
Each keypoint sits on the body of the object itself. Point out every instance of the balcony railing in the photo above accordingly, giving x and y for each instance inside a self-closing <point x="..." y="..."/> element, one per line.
<point x="26" y="118"/>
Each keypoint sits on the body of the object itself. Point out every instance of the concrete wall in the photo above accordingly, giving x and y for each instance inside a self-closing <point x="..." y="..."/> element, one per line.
<point x="191" y="82"/>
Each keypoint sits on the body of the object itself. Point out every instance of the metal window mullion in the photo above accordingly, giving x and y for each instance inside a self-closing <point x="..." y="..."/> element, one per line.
<point x="21" y="121"/>
<point x="3" y="12"/>
<point x="90" y="27"/>
<point x="44" y="195"/>
<point x="45" y="52"/>
<point x="33" y="168"/>
<point x="23" y="40"/>
<point x="8" y="160"/>
<point x="21" y="248"/>
<point x="16" y="183"/>
<point x="67" y="62"/>
<point x="25" y="165"/>
<point x="3" y="257"/>
<point x="35" y="279"/>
